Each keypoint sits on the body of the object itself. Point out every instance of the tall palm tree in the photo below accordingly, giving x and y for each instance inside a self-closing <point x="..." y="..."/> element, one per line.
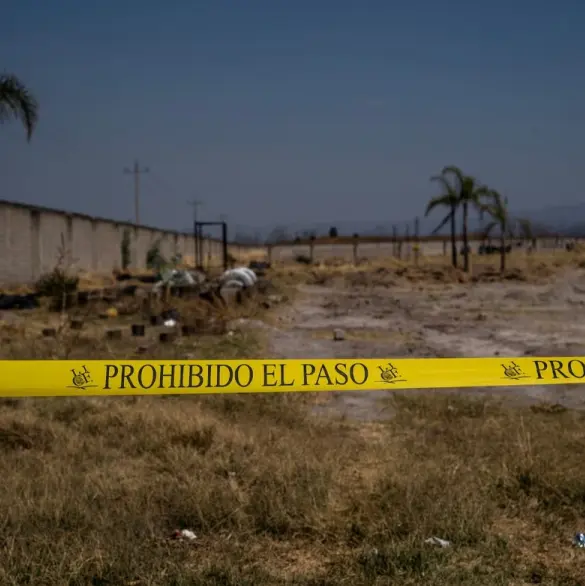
<point x="469" y="194"/>
<point x="448" y="199"/>
<point x="17" y="102"/>
<point x="497" y="208"/>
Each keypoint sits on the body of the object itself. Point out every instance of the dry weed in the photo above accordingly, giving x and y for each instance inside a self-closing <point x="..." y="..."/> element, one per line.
<point x="92" y="489"/>
<point x="534" y="267"/>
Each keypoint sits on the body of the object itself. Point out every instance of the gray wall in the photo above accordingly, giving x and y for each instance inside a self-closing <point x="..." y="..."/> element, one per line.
<point x="31" y="238"/>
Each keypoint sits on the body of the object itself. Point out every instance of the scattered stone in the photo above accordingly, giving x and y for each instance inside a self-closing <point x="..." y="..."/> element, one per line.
<point x="138" y="330"/>
<point x="82" y="297"/>
<point x="49" y="332"/>
<point x="170" y="314"/>
<point x="110" y="294"/>
<point x="167" y="337"/>
<point x="481" y="317"/>
<point x="114" y="334"/>
<point x="128" y="290"/>
<point x="338" y="335"/>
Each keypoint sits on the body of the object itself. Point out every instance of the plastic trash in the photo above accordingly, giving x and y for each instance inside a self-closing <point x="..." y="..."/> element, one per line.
<point x="438" y="541"/>
<point x="245" y="275"/>
<point x="233" y="284"/>
<point x="579" y="540"/>
<point x="179" y="278"/>
<point x="185" y="534"/>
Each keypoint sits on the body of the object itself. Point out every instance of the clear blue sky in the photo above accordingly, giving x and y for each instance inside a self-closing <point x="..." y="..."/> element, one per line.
<point x="278" y="111"/>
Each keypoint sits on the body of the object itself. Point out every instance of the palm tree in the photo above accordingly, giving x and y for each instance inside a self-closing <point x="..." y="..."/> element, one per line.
<point x="497" y="208"/>
<point x="469" y="194"/>
<point x="450" y="200"/>
<point x="16" y="101"/>
<point x="459" y="190"/>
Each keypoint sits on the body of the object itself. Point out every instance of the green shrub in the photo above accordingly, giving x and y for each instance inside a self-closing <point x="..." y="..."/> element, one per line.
<point x="56" y="283"/>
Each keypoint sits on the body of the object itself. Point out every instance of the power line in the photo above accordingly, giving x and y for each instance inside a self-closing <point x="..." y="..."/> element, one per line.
<point x="136" y="171"/>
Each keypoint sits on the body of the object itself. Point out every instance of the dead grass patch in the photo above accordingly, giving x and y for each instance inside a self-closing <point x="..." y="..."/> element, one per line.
<point x="92" y="489"/>
<point x="535" y="267"/>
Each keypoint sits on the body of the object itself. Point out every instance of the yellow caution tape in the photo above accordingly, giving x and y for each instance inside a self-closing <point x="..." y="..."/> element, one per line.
<point x="52" y="378"/>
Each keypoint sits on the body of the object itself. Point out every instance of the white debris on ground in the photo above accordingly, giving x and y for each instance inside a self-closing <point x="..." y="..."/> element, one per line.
<point x="179" y="278"/>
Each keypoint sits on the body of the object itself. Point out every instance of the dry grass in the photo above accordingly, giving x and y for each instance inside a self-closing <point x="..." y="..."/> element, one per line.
<point x="93" y="489"/>
<point x="437" y="269"/>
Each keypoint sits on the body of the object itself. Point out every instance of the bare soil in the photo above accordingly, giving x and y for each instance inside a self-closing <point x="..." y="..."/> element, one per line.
<point x="473" y="319"/>
<point x="93" y="489"/>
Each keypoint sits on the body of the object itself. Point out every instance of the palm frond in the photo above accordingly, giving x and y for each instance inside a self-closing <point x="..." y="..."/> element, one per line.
<point x="481" y="192"/>
<point x="447" y="187"/>
<point x="445" y="220"/>
<point x="440" y="200"/>
<point x="455" y="171"/>
<point x="16" y="101"/>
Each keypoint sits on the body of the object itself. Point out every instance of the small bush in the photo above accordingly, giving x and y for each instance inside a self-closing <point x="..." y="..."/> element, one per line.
<point x="57" y="283"/>
<point x="303" y="259"/>
<point x="154" y="259"/>
<point x="125" y="249"/>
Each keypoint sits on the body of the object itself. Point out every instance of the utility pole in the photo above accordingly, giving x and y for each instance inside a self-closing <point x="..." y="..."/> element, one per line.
<point x="136" y="171"/>
<point x="196" y="203"/>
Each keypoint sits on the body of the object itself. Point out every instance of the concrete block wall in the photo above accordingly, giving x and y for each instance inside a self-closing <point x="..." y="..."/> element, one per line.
<point x="32" y="237"/>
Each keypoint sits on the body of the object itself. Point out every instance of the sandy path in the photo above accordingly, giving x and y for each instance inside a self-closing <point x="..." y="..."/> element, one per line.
<point x="496" y="319"/>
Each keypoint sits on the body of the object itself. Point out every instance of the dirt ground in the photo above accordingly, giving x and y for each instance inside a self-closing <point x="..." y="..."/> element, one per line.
<point x="397" y="318"/>
<point x="278" y="488"/>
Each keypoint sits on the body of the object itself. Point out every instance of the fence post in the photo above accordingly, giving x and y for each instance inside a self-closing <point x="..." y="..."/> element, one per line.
<point x="416" y="240"/>
<point x="399" y="243"/>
